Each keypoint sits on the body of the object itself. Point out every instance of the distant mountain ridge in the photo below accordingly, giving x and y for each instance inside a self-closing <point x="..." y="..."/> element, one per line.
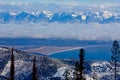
<point x="61" y="17"/>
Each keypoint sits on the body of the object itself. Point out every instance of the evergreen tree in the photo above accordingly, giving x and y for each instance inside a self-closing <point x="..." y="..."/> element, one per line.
<point x="67" y="74"/>
<point x="34" y="70"/>
<point x="12" y="67"/>
<point x="115" y="57"/>
<point x="79" y="67"/>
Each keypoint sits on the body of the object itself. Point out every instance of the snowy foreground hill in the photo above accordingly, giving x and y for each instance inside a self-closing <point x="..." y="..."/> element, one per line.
<point x="62" y="17"/>
<point x="49" y="68"/>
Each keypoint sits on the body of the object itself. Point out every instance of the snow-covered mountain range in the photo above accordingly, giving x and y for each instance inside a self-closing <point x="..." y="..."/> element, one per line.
<point x="61" y="17"/>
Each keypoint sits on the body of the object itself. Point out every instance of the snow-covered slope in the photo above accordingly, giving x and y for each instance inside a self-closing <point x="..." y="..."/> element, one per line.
<point x="49" y="68"/>
<point x="102" y="70"/>
<point x="62" y="17"/>
<point x="46" y="67"/>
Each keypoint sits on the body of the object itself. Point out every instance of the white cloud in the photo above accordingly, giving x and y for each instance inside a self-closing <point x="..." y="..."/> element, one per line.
<point x="92" y="31"/>
<point x="59" y="5"/>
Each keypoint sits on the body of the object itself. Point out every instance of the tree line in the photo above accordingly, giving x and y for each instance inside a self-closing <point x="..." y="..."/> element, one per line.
<point x="79" y="70"/>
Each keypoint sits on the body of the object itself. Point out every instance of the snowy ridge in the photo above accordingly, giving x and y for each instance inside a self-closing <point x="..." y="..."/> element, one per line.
<point x="49" y="68"/>
<point x="102" y="70"/>
<point x="62" y="17"/>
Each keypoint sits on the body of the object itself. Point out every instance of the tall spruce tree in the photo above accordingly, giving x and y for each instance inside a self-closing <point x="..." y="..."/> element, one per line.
<point x="34" y="70"/>
<point x="115" y="57"/>
<point x="12" y="67"/>
<point x="79" y="67"/>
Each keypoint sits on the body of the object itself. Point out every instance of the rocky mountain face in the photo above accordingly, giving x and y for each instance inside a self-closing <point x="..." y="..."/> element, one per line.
<point x="49" y="68"/>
